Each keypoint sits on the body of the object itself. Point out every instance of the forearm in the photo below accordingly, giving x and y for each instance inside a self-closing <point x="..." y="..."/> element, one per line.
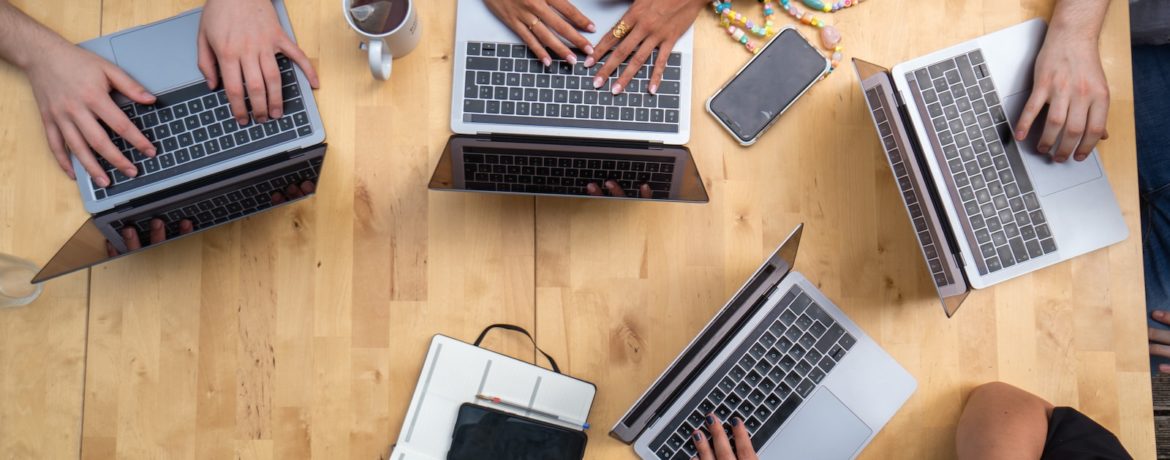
<point x="23" y="39"/>
<point x="1078" y="20"/>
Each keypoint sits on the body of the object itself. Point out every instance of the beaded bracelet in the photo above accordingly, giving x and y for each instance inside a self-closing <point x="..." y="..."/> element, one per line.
<point x="739" y="27"/>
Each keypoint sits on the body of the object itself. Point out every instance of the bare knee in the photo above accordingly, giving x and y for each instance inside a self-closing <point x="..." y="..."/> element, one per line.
<point x="1002" y="422"/>
<point x="1008" y="396"/>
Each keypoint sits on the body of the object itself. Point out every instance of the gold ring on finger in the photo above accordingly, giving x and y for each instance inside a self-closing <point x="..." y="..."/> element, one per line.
<point x="620" y="30"/>
<point x="532" y="25"/>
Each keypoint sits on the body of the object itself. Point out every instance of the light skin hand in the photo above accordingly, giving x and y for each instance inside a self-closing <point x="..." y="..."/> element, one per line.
<point x="542" y="24"/>
<point x="719" y="447"/>
<point x="72" y="87"/>
<point x="654" y="24"/>
<point x="238" y="40"/>
<point x="1070" y="82"/>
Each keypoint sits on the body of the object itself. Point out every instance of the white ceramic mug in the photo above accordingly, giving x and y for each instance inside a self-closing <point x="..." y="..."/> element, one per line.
<point x="385" y="40"/>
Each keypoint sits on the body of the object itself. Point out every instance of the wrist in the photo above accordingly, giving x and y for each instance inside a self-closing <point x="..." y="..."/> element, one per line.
<point x="37" y="52"/>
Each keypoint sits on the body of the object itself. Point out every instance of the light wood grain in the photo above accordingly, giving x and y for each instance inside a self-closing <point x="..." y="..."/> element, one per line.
<point x="625" y="297"/>
<point x="300" y="333"/>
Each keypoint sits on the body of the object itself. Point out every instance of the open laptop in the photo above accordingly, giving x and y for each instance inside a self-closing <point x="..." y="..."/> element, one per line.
<point x="985" y="207"/>
<point x="503" y="98"/>
<point x="191" y="126"/>
<point x="807" y="382"/>
<point x="208" y="169"/>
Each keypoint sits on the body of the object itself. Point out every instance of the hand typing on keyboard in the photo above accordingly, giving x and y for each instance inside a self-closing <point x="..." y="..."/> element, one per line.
<point x="614" y="189"/>
<point x="72" y="87"/>
<point x="542" y="23"/>
<point x="1069" y="80"/>
<point x="158" y="234"/>
<point x="238" y="41"/>
<point x="718" y="447"/>
<point x="651" y="24"/>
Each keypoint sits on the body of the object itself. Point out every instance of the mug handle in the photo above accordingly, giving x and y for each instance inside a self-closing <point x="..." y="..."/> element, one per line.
<point x="381" y="61"/>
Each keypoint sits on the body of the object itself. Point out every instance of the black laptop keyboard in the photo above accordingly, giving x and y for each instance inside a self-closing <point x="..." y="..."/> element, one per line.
<point x="766" y="379"/>
<point x="193" y="126"/>
<point x="226" y="205"/>
<point x="931" y="245"/>
<point x="565" y="174"/>
<point x="505" y="83"/>
<point x="980" y="155"/>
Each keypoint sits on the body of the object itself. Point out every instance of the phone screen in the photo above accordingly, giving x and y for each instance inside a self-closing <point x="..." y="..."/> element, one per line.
<point x="482" y="433"/>
<point x="768" y="85"/>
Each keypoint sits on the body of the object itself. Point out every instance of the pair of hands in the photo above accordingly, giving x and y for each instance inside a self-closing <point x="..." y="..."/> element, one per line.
<point x="238" y="40"/>
<point x="158" y="229"/>
<point x="615" y="190"/>
<point x="653" y="24"/>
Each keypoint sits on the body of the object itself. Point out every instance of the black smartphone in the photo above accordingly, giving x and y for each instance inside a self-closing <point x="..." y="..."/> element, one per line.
<point x="483" y="433"/>
<point x="764" y="88"/>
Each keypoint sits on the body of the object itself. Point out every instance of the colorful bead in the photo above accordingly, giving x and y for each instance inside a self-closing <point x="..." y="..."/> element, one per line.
<point x="740" y="27"/>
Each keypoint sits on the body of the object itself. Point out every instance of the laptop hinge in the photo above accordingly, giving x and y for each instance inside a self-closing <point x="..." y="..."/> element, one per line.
<point x="931" y="185"/>
<point x="574" y="141"/>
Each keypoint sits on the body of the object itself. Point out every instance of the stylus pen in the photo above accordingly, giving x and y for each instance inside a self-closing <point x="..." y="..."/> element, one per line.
<point x="503" y="402"/>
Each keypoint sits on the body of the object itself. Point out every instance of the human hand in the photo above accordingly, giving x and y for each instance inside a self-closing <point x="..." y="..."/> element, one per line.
<point x="1160" y="339"/>
<point x="1070" y="81"/>
<point x="615" y="190"/>
<point x="238" y="42"/>
<point x="158" y="234"/>
<point x="72" y="87"/>
<point x="719" y="447"/>
<point x="542" y="23"/>
<point x="652" y="24"/>
<point x="293" y="192"/>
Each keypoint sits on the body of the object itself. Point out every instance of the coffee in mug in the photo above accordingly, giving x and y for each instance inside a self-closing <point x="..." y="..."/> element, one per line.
<point x="391" y="28"/>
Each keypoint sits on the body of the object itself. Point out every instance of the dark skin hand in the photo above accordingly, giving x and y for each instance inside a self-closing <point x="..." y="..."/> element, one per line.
<point x="653" y="24"/>
<point x="543" y="23"/>
<point x="719" y="447"/>
<point x="616" y="190"/>
<point x="158" y="229"/>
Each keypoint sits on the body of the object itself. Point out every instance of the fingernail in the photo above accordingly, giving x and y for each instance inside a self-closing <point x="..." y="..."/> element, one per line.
<point x="546" y="61"/>
<point x="276" y="113"/>
<point x="653" y="89"/>
<point x="735" y="421"/>
<point x="572" y="59"/>
<point x="710" y="420"/>
<point x="1164" y="368"/>
<point x="146" y="95"/>
<point x="698" y="435"/>
<point x="597" y="82"/>
<point x="156" y="224"/>
<point x="242" y="121"/>
<point x="103" y="181"/>
<point x="152" y="151"/>
<point x="588" y="50"/>
<point x="616" y="89"/>
<point x="1159" y="313"/>
<point x="589" y="61"/>
<point x="591" y="28"/>
<point x="131" y="172"/>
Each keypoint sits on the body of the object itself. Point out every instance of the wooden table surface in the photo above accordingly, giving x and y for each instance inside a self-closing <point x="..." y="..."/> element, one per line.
<point x="300" y="333"/>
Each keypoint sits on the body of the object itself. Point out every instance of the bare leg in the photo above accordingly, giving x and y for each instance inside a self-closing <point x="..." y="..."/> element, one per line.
<point x="1002" y="422"/>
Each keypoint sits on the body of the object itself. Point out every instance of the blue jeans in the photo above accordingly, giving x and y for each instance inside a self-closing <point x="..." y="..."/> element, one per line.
<point x="1151" y="90"/>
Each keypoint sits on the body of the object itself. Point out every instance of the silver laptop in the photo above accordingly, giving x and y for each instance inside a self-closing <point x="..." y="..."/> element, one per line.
<point x="502" y="93"/>
<point x="807" y="382"/>
<point x="985" y="207"/>
<point x="191" y="126"/>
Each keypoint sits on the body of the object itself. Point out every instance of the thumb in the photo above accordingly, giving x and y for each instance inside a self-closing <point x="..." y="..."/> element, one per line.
<point x="126" y="85"/>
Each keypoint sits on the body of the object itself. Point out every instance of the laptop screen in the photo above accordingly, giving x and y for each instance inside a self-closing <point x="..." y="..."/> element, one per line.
<point x="189" y="209"/>
<point x="569" y="167"/>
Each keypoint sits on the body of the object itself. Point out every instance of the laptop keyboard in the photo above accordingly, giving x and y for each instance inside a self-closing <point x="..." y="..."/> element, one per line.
<point x="192" y="127"/>
<point x="980" y="155"/>
<point x="766" y="379"/>
<point x="505" y="83"/>
<point x="226" y="205"/>
<point x="566" y="174"/>
<point x="930" y="243"/>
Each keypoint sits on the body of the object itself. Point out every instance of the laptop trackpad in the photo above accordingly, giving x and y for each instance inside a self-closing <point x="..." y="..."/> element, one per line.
<point x="161" y="56"/>
<point x="1048" y="176"/>
<point x="823" y="429"/>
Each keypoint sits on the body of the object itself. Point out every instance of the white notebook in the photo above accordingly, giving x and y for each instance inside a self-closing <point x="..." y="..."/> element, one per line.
<point x="456" y="372"/>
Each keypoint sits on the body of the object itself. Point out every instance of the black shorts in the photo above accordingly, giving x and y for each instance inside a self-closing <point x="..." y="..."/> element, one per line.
<point x="1073" y="436"/>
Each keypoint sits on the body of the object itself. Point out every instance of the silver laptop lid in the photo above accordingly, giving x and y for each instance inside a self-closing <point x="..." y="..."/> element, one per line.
<point x="564" y="167"/>
<point x="935" y="238"/>
<point x="709" y="342"/>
